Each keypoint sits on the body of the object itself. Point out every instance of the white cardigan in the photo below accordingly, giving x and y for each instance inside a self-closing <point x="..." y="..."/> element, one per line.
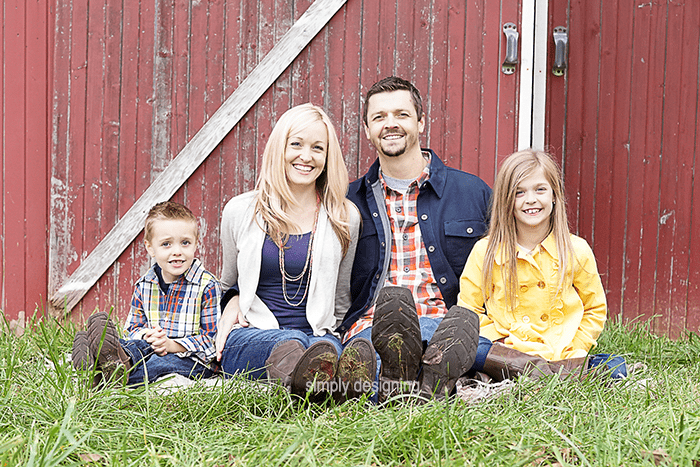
<point x="329" y="288"/>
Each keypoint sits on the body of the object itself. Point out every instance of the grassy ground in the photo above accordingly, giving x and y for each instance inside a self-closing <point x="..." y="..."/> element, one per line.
<point x="49" y="417"/>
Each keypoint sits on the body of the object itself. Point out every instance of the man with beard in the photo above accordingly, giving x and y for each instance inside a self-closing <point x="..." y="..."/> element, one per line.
<point x="420" y="220"/>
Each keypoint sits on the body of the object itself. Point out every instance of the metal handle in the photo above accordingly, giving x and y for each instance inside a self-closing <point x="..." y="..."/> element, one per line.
<point x="511" y="32"/>
<point x="561" y="50"/>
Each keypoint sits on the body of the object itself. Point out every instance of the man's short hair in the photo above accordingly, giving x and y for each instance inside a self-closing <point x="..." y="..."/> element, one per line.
<point x="394" y="83"/>
<point x="168" y="210"/>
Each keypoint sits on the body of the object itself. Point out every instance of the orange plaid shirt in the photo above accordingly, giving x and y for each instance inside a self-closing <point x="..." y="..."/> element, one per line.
<point x="409" y="266"/>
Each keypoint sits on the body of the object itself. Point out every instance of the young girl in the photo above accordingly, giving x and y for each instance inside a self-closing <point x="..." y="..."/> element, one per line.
<point x="534" y="285"/>
<point x="288" y="249"/>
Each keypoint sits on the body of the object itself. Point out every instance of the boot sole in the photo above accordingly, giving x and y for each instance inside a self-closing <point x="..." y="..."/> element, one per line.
<point x="396" y="334"/>
<point x="317" y="364"/>
<point x="103" y="344"/>
<point x="357" y="368"/>
<point x="450" y="353"/>
<point x="80" y="354"/>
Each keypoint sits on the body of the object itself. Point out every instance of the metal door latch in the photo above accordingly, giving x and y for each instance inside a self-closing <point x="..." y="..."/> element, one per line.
<point x="561" y="50"/>
<point x="511" y="32"/>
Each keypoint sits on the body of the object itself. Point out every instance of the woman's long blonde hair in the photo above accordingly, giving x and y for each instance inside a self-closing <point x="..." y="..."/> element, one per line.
<point x="274" y="195"/>
<point x="503" y="234"/>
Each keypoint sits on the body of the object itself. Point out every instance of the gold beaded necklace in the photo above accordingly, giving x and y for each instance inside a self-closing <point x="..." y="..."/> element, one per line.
<point x="299" y="277"/>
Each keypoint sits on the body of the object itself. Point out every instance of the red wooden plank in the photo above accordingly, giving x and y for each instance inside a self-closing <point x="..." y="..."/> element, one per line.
<point x="680" y="106"/>
<point x="369" y="71"/>
<point x="231" y="158"/>
<point x="109" y="154"/>
<point x="617" y="17"/>
<point x="128" y="108"/>
<point x="248" y="138"/>
<point x="636" y="301"/>
<point x="333" y="92"/>
<point x="419" y="53"/>
<point x="506" y="133"/>
<point x="15" y="178"/>
<point x="345" y="30"/>
<point x="2" y="173"/>
<point x="211" y="199"/>
<point x="300" y="66"/>
<point x="36" y="165"/>
<point x="690" y="130"/>
<point x="578" y="140"/>
<point x="435" y="124"/>
<point x="185" y="32"/>
<point x="94" y="177"/>
<point x="650" y="207"/>
<point x="317" y="67"/>
<point x="555" y="117"/>
<point x="473" y="66"/>
<point x="454" y="106"/>
<point x="72" y="222"/>
<point x="264" y="109"/>
<point x="61" y="81"/>
<point x="606" y="177"/>
<point x="197" y="29"/>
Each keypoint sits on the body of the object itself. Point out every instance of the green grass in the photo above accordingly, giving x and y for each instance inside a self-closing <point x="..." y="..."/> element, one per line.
<point x="49" y="417"/>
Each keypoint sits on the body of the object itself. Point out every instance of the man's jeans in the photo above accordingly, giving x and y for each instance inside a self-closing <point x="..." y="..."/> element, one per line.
<point x="148" y="366"/>
<point x="247" y="349"/>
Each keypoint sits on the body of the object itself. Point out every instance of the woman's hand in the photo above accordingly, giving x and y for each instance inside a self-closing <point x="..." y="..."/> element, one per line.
<point x="230" y="317"/>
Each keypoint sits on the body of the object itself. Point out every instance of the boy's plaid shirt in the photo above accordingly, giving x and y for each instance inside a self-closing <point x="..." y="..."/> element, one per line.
<point x="188" y="313"/>
<point x="409" y="266"/>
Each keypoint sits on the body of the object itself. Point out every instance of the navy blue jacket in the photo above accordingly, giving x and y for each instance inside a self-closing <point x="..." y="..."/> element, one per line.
<point x="453" y="212"/>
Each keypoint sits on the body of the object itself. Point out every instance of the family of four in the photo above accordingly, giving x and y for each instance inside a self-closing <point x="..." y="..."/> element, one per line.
<point x="331" y="288"/>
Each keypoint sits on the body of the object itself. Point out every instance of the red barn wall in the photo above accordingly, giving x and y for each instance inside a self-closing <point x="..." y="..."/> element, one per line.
<point x="133" y="85"/>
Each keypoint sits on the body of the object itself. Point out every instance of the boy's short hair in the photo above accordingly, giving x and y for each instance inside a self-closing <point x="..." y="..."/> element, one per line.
<point x="168" y="210"/>
<point x="391" y="84"/>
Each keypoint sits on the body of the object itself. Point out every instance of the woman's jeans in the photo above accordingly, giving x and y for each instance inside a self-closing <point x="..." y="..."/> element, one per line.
<point x="247" y="349"/>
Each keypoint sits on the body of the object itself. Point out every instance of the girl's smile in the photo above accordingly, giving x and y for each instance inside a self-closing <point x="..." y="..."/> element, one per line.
<point x="533" y="205"/>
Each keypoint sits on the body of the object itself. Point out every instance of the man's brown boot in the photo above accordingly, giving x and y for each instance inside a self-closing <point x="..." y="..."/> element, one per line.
<point x="450" y="352"/>
<point x="397" y="339"/>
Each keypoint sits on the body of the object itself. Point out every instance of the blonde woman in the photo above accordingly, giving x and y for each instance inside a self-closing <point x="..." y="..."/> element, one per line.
<point x="288" y="250"/>
<point x="534" y="285"/>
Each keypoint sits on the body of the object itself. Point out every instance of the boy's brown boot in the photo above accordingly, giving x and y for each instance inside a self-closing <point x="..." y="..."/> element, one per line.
<point x="282" y="360"/>
<point x="104" y="346"/>
<point x="357" y="368"/>
<point x="450" y="353"/>
<point x="80" y="355"/>
<point x="315" y="370"/>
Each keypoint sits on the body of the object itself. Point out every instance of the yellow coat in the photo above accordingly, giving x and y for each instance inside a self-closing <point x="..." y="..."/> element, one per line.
<point x="553" y="325"/>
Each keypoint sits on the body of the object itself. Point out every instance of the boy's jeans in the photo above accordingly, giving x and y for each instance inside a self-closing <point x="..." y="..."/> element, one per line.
<point x="149" y="366"/>
<point x="247" y="349"/>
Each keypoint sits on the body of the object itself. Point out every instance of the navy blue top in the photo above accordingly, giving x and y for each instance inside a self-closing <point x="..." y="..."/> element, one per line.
<point x="453" y="213"/>
<point x="270" y="283"/>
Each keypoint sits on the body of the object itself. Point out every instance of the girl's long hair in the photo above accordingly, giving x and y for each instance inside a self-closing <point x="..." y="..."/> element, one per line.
<point x="274" y="196"/>
<point x="503" y="233"/>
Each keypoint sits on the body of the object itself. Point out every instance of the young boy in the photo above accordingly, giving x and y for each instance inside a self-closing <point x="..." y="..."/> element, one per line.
<point x="171" y="326"/>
